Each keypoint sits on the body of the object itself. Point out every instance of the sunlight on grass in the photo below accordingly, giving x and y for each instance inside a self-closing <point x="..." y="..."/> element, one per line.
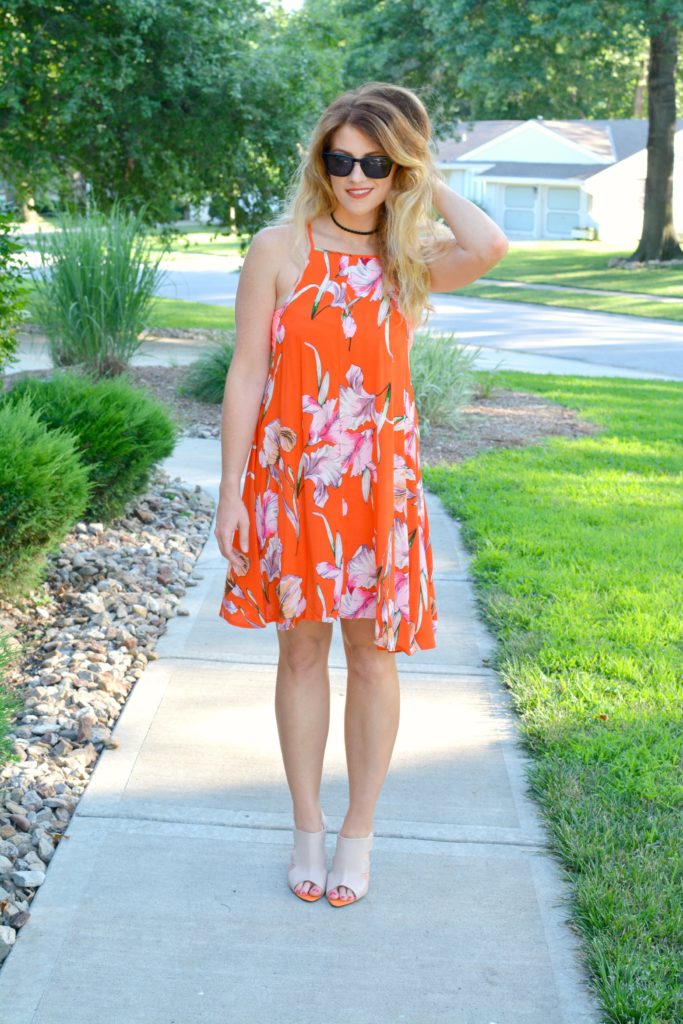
<point x="578" y="560"/>
<point x="627" y="304"/>
<point x="583" y="265"/>
<point x="181" y="314"/>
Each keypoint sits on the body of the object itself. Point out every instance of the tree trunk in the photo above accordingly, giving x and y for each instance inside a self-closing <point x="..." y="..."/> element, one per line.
<point x="659" y="239"/>
<point x="639" y="94"/>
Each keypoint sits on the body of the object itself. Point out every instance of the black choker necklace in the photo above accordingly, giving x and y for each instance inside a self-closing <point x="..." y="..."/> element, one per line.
<point x="352" y="229"/>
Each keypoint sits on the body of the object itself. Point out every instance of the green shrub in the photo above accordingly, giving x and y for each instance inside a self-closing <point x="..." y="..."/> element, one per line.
<point x="44" y="489"/>
<point x="12" y="292"/>
<point x="205" y="378"/>
<point x="121" y="432"/>
<point x="441" y="372"/>
<point x="95" y="287"/>
<point x="443" y="379"/>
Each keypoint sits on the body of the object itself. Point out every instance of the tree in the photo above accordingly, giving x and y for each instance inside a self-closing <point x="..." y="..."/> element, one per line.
<point x="157" y="101"/>
<point x="476" y="60"/>
<point x="659" y="239"/>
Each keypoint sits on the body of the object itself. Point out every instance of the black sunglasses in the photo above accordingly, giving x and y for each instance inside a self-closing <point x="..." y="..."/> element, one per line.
<point x="341" y="165"/>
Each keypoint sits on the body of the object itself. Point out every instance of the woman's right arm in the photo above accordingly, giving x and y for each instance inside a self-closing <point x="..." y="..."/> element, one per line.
<point x="245" y="384"/>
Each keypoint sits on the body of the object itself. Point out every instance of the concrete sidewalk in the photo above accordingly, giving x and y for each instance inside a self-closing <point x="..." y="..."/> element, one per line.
<point x="168" y="903"/>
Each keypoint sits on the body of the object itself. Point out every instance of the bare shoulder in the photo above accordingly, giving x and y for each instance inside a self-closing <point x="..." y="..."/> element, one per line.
<point x="271" y="242"/>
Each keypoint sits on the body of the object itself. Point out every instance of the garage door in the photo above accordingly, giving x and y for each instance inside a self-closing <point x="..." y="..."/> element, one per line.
<point x="562" y="212"/>
<point x="520" y="210"/>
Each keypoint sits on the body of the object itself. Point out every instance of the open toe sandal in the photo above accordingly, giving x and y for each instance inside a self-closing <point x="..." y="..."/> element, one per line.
<point x="350" y="867"/>
<point x="309" y="862"/>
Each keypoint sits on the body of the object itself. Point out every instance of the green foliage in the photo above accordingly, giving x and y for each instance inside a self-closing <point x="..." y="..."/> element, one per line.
<point x="10" y="704"/>
<point x="442" y="377"/>
<point x="164" y="103"/>
<point x="441" y="373"/>
<point x="205" y="378"/>
<point x="94" y="290"/>
<point x="12" y="291"/>
<point x="579" y="567"/>
<point x="121" y="432"/>
<point x="539" y="58"/>
<point x="44" y="490"/>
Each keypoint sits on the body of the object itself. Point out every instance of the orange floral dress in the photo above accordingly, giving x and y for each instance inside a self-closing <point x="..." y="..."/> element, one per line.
<point x="338" y="521"/>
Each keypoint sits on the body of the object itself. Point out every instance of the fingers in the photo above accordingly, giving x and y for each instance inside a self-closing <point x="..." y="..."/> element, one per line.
<point x="243" y="533"/>
<point x="224" y="533"/>
<point x="244" y="536"/>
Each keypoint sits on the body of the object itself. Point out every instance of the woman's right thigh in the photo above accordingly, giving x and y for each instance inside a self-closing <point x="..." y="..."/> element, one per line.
<point x="305" y="646"/>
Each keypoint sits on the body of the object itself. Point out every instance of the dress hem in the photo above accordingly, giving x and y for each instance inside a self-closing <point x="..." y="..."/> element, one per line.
<point x="331" y="619"/>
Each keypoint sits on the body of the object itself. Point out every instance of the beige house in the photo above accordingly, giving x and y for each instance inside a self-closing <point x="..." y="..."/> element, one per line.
<point x="557" y="179"/>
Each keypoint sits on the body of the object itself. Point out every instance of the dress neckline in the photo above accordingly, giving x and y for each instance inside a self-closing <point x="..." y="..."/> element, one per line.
<point x="338" y="252"/>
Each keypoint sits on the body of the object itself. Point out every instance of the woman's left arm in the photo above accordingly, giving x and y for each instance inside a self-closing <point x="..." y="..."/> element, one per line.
<point x="477" y="246"/>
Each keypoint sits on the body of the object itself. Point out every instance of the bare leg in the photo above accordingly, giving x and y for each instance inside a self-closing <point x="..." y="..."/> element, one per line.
<point x="371" y="722"/>
<point x="302" y="711"/>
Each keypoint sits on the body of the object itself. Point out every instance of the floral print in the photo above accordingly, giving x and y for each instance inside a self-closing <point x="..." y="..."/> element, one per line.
<point x="338" y="522"/>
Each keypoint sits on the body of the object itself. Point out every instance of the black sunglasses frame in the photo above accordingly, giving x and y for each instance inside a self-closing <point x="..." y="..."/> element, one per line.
<point x="367" y="163"/>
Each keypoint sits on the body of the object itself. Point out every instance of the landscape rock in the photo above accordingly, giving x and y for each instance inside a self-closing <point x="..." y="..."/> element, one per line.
<point x="28" y="879"/>
<point x="82" y="639"/>
<point x="7" y="939"/>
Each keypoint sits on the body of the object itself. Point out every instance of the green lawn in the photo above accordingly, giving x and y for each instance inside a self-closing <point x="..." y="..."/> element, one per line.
<point x="628" y="304"/>
<point x="582" y="265"/>
<point x="181" y="314"/>
<point x="199" y="239"/>
<point x="578" y="563"/>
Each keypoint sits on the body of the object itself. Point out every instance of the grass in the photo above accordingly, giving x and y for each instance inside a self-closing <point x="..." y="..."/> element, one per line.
<point x="205" y="240"/>
<point x="580" y="265"/>
<point x="181" y="314"/>
<point x="583" y="265"/>
<point x="627" y="304"/>
<point x="174" y="313"/>
<point x="10" y="706"/>
<point x="192" y="238"/>
<point x="10" y="702"/>
<point x="578" y="565"/>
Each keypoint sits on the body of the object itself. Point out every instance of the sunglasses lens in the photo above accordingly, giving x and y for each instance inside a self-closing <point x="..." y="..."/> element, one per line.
<point x="376" y="166"/>
<point x="341" y="165"/>
<point x="338" y="164"/>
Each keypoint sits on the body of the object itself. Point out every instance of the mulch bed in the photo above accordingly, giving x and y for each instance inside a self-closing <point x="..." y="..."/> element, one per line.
<point x="504" y="419"/>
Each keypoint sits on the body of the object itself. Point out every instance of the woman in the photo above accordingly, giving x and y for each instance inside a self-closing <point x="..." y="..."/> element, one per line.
<point x="332" y="522"/>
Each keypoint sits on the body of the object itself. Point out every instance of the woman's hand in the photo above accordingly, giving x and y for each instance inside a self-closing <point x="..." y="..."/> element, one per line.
<point x="478" y="243"/>
<point x="231" y="515"/>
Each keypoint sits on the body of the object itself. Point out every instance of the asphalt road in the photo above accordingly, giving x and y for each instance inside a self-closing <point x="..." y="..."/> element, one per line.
<point x="652" y="346"/>
<point x="607" y="341"/>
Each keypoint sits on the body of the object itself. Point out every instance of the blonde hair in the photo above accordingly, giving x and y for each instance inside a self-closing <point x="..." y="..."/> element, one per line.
<point x="407" y="238"/>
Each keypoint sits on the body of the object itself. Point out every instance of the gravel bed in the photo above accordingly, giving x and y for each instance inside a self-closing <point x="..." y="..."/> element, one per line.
<point x="87" y="635"/>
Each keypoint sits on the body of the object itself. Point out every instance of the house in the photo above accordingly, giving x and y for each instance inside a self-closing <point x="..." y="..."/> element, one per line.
<point x="557" y="179"/>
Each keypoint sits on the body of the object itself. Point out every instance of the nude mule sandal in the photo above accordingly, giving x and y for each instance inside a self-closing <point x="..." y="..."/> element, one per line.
<point x="350" y="867"/>
<point x="309" y="861"/>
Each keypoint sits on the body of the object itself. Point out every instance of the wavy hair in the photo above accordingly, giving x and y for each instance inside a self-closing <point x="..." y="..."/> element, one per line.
<point x="408" y="237"/>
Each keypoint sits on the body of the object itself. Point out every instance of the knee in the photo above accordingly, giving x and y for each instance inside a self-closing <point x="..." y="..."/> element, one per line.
<point x="363" y="658"/>
<point x="303" y="652"/>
